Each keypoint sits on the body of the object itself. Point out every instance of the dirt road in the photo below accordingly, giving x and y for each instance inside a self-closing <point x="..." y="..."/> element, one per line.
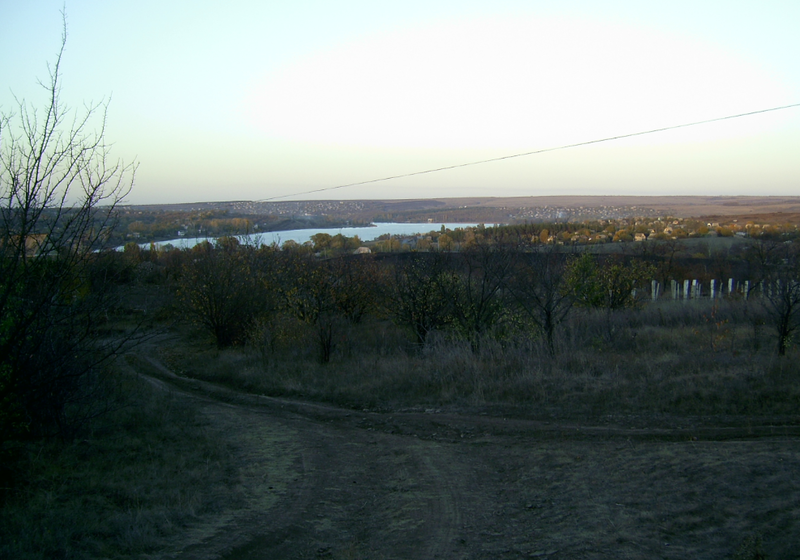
<point x="324" y="482"/>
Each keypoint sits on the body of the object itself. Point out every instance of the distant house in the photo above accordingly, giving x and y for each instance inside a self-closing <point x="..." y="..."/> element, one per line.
<point x="362" y="251"/>
<point x="36" y="245"/>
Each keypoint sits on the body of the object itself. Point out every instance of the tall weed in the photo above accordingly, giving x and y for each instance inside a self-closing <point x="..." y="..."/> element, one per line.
<point x="143" y="473"/>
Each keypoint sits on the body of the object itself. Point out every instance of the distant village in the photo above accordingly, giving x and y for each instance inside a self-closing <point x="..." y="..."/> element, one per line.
<point x="589" y="232"/>
<point x="551" y="224"/>
<point x="640" y="229"/>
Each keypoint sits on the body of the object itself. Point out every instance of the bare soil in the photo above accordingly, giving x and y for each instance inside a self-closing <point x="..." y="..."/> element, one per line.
<point x="325" y="482"/>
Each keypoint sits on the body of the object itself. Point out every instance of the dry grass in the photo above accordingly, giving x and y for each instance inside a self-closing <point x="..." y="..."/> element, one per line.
<point x="142" y="474"/>
<point x="155" y="467"/>
<point x="673" y="359"/>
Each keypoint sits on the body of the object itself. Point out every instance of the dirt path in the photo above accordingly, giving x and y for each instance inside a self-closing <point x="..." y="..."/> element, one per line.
<point x="324" y="482"/>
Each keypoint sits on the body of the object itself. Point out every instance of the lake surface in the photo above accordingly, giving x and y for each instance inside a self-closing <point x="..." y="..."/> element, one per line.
<point x="302" y="235"/>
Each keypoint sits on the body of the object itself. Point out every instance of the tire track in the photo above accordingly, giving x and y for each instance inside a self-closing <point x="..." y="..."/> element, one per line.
<point x="357" y="492"/>
<point x="447" y="519"/>
<point x="425" y="485"/>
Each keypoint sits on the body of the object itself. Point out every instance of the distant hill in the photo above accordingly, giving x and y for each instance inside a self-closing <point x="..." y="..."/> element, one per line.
<point x="505" y="210"/>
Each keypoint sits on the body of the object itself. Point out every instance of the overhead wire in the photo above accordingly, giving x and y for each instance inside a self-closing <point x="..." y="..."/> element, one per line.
<point x="533" y="152"/>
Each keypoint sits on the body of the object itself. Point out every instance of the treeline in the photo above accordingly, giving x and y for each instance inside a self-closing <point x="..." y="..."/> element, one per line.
<point x="142" y="225"/>
<point x="146" y="225"/>
<point x="491" y="288"/>
<point x="58" y="306"/>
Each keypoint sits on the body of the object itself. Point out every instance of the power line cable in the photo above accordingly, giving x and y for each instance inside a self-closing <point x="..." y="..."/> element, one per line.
<point x="534" y="152"/>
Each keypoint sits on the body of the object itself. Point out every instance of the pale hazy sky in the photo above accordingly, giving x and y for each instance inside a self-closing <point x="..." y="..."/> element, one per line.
<point x="249" y="99"/>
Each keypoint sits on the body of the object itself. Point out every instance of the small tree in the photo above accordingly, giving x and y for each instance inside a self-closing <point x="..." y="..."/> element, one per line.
<point x="355" y="279"/>
<point x="476" y="288"/>
<point x="309" y="293"/>
<point x="610" y="286"/>
<point x="781" y="283"/>
<point x="59" y="188"/>
<point x="415" y="296"/>
<point x="221" y="289"/>
<point x="539" y="290"/>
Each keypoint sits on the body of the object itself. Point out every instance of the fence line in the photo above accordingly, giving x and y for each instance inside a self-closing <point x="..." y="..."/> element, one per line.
<point x="695" y="289"/>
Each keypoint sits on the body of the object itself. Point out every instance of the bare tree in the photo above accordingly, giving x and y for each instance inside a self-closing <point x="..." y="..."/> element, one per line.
<point x="356" y="280"/>
<point x="540" y="291"/>
<point x="415" y="298"/>
<point x="59" y="188"/>
<point x="781" y="287"/>
<point x="223" y="290"/>
<point x="476" y="285"/>
<point x="310" y="293"/>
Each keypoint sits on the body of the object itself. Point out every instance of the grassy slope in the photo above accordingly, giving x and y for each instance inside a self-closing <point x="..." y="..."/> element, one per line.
<point x="671" y="359"/>
<point x="157" y="468"/>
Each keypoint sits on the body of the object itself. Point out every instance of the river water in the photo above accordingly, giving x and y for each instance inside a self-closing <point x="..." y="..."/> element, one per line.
<point x="302" y="235"/>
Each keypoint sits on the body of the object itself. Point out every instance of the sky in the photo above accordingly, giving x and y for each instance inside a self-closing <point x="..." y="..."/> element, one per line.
<point x="292" y="100"/>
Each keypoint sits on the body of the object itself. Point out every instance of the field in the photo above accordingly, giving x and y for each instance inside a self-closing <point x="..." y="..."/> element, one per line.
<point x="678" y="206"/>
<point x="676" y="438"/>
